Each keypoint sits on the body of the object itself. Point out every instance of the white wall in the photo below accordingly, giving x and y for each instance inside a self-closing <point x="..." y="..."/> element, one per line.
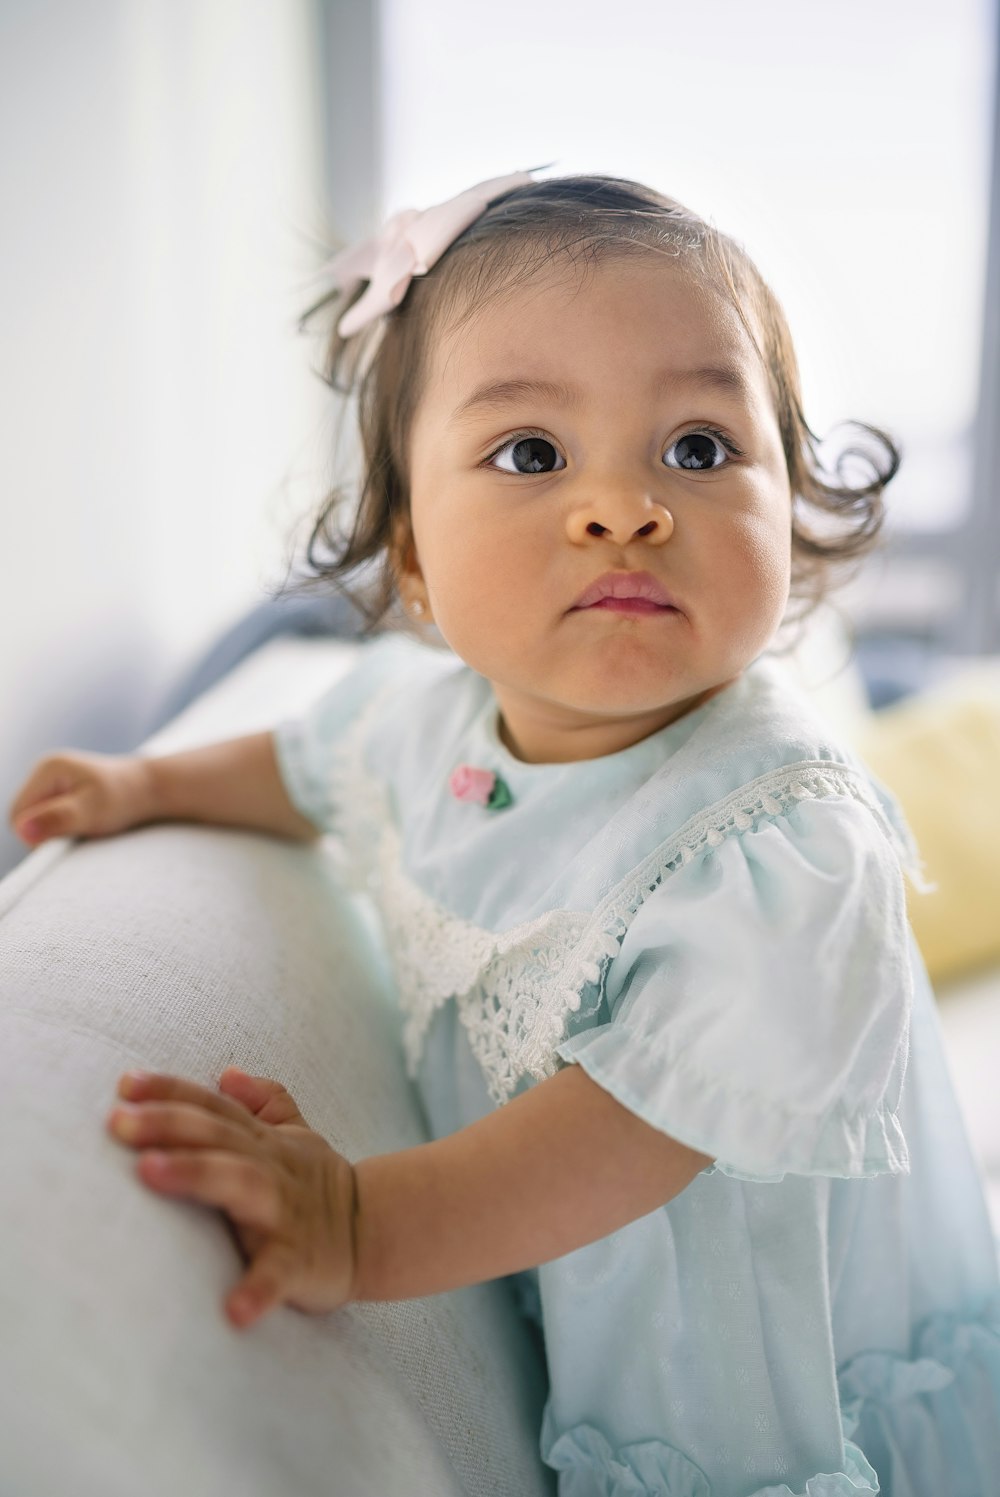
<point x="160" y="427"/>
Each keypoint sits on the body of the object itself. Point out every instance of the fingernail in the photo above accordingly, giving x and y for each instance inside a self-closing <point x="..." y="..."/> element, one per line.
<point x="242" y="1305"/>
<point x="28" y="829"/>
<point x="131" y="1082"/>
<point x="125" y="1123"/>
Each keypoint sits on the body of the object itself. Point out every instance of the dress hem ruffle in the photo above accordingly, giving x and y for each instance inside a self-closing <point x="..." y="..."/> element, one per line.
<point x="910" y="1412"/>
<point x="590" y="1466"/>
<point x="956" y="1360"/>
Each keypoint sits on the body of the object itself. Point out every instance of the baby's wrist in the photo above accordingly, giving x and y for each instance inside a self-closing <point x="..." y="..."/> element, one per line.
<point x="367" y="1280"/>
<point x="149" y="792"/>
<point x="352" y="1205"/>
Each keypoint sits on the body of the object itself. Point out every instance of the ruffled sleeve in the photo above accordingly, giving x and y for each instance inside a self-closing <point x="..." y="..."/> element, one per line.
<point x="759" y="1004"/>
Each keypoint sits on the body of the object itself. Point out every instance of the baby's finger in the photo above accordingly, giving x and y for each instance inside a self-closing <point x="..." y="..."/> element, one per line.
<point x="267" y="1099"/>
<point x="263" y="1286"/>
<point x="49" y="777"/>
<point x="148" y="1125"/>
<point x="154" y="1086"/>
<point x="235" y="1183"/>
<point x="61" y="816"/>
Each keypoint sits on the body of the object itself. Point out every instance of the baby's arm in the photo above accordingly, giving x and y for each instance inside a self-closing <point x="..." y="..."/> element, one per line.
<point x="232" y="783"/>
<point x="235" y="783"/>
<point x="559" y="1167"/>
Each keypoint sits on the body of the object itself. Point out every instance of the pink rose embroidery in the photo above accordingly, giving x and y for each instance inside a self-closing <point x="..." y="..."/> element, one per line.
<point x="474" y="785"/>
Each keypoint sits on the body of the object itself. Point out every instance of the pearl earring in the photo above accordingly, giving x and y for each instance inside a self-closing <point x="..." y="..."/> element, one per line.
<point x="416" y="607"/>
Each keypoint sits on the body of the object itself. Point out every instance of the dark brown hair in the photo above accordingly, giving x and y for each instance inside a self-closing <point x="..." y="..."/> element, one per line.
<point x="835" y="521"/>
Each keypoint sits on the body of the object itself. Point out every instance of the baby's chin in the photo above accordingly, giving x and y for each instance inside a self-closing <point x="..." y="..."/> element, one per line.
<point x="605" y="692"/>
<point x="544" y="729"/>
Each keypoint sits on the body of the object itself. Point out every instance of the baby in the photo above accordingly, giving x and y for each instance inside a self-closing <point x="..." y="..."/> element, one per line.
<point x="646" y="913"/>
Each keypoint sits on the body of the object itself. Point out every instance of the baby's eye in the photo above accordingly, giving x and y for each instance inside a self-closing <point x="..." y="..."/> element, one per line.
<point x="528" y="454"/>
<point x="699" y="451"/>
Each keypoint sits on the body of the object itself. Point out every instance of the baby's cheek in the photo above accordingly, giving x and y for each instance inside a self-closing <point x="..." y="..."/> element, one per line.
<point x="751" y="590"/>
<point x="478" y="593"/>
<point x="469" y="623"/>
<point x="766" y="552"/>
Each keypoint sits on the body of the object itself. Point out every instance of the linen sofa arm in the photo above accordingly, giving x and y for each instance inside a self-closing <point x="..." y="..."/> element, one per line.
<point x="188" y="949"/>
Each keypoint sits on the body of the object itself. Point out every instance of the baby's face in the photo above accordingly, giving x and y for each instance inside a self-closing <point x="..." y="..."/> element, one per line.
<point x="623" y="460"/>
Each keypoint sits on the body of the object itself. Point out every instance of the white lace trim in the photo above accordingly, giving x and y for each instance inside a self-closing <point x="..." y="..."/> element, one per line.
<point x="515" y="989"/>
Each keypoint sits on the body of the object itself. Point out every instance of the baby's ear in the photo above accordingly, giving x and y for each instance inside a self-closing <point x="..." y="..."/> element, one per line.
<point x="409" y="577"/>
<point x="403" y="550"/>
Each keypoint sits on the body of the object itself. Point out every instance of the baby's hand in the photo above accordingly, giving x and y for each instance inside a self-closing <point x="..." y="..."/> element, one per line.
<point x="288" y="1194"/>
<point x="82" y="795"/>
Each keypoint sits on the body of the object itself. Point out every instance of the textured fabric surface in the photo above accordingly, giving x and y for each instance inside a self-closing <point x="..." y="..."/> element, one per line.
<point x="187" y="949"/>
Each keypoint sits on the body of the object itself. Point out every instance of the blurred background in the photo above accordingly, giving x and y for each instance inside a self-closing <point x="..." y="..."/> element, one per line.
<point x="172" y="172"/>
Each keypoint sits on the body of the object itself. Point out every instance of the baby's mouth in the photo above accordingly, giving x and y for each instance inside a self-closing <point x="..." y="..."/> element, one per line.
<point x="628" y="592"/>
<point x="630" y="605"/>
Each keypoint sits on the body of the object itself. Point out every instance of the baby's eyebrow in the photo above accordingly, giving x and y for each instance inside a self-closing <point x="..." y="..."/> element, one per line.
<point x="721" y="379"/>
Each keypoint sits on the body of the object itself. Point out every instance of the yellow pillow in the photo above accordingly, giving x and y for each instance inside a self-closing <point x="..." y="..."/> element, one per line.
<point x="939" y="754"/>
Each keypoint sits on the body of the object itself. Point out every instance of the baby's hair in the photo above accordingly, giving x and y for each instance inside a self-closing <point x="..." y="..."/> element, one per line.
<point x="589" y="218"/>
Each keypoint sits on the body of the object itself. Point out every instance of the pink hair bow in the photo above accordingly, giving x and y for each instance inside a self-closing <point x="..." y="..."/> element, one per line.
<point x="408" y="244"/>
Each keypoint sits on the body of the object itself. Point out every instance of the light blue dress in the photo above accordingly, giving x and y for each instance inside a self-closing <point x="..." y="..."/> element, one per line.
<point x="713" y="924"/>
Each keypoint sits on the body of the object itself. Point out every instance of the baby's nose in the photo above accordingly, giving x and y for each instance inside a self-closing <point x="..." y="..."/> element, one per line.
<point x="622" y="521"/>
